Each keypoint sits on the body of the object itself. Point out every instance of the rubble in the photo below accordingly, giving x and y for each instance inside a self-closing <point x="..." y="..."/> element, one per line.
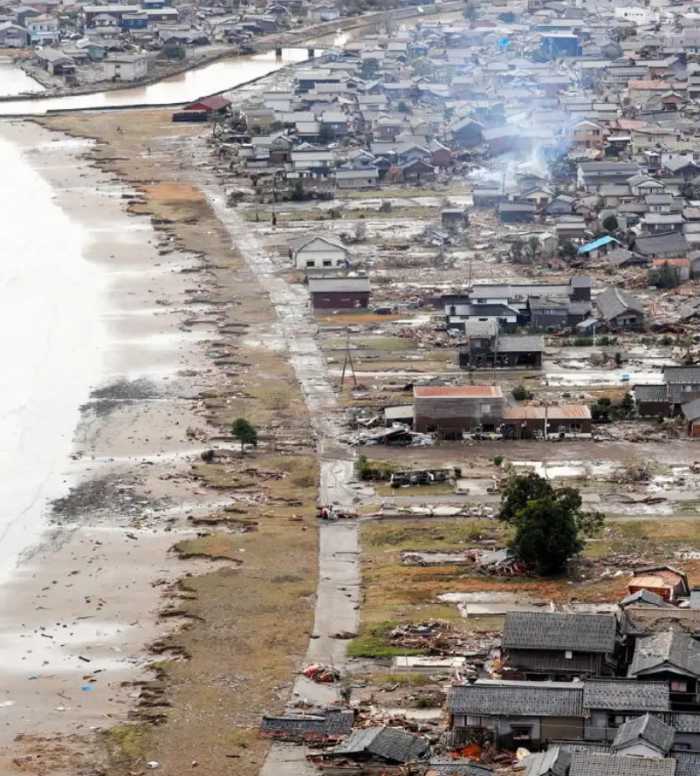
<point x="321" y="674"/>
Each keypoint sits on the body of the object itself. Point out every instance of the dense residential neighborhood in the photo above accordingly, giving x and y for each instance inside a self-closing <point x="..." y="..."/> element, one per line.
<point x="510" y="202"/>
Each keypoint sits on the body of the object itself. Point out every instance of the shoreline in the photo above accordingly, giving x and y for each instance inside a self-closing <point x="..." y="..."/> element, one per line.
<point x="205" y="514"/>
<point x="85" y="597"/>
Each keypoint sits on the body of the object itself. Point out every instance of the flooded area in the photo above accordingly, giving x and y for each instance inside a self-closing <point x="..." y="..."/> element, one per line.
<point x="14" y="81"/>
<point x="184" y="87"/>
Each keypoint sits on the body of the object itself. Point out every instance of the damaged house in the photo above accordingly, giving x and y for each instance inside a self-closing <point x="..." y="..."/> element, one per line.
<point x="490" y="351"/>
<point x="515" y="713"/>
<point x="382" y="746"/>
<point x="451" y="410"/>
<point x="535" y="305"/>
<point x="620" y="311"/>
<point x="558" y="645"/>
<point x="680" y="388"/>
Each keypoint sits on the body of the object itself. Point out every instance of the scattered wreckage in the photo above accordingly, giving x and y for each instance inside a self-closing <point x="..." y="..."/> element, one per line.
<point x="321" y="674"/>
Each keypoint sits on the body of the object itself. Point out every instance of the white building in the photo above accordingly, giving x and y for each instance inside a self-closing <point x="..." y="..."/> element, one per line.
<point x="318" y="252"/>
<point x="124" y="67"/>
<point x="636" y="14"/>
<point x="13" y="36"/>
<point x="42" y="29"/>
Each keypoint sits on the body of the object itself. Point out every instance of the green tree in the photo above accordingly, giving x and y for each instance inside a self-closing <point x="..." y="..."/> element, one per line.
<point x="533" y="248"/>
<point x="627" y="405"/>
<point x="518" y="491"/>
<point x="600" y="411"/>
<point x="521" y="393"/>
<point x="326" y="134"/>
<point x="610" y="224"/>
<point x="547" y="535"/>
<point x="517" y="249"/>
<point x="665" y="276"/>
<point x="245" y="433"/>
<point x="297" y="193"/>
<point x="568" y="250"/>
<point x="522" y="490"/>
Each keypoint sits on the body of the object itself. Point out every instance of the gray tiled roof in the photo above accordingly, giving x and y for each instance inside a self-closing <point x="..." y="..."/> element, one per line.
<point x="691" y="409"/>
<point x="543" y="699"/>
<point x="672" y="646"/>
<point x="526" y="343"/>
<point x="555" y="762"/>
<point x="646" y="596"/>
<point x="387" y="743"/>
<point x="685" y="722"/>
<point x="340" y="284"/>
<point x="559" y="630"/>
<point x="673" y="243"/>
<point x="333" y="722"/>
<point x="650" y="393"/>
<point x="598" y="764"/>
<point x="479" y="328"/>
<point x="682" y="375"/>
<point x="626" y="695"/>
<point x="614" y="301"/>
<point x="647" y="728"/>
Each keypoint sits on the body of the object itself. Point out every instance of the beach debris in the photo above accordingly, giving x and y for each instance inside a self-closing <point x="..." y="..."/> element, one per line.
<point x="344" y="635"/>
<point x="153" y="764"/>
<point x="321" y="674"/>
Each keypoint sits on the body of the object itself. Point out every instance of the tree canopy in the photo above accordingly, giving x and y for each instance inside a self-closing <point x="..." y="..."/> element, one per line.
<point x="546" y="536"/>
<point x="665" y="276"/>
<point x="244" y="432"/>
<point x="549" y="522"/>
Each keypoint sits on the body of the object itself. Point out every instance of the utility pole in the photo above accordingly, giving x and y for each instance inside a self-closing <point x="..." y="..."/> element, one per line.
<point x="347" y="362"/>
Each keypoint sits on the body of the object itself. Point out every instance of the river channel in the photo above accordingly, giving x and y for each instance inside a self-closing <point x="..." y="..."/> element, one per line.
<point x="184" y="87"/>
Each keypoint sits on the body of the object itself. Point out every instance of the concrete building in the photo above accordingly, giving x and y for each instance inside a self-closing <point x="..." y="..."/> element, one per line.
<point x="451" y="410"/>
<point x="42" y="29"/>
<point x="124" y="67"/>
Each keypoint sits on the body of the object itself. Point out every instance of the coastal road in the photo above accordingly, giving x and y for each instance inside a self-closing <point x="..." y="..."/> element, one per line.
<point x="338" y="591"/>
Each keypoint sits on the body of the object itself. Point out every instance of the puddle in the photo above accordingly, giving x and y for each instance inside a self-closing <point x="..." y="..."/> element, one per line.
<point x="474" y="487"/>
<point x="572" y="469"/>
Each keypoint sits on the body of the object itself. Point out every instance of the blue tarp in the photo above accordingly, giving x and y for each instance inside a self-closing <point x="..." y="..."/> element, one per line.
<point x="597" y="243"/>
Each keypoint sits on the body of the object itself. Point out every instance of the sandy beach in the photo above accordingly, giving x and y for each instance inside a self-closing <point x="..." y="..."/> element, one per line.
<point x="156" y="591"/>
<point x="83" y="601"/>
